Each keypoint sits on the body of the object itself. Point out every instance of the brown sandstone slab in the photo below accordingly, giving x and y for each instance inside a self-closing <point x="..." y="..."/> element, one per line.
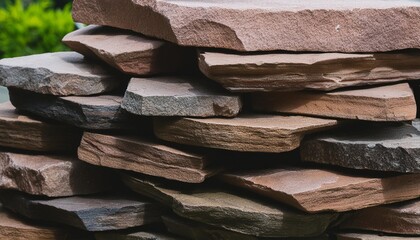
<point x="317" y="190"/>
<point x="100" y="112"/>
<point x="60" y="73"/>
<point x="232" y="211"/>
<point x="247" y="133"/>
<point x="298" y="71"/>
<point x="379" y="147"/>
<point x="179" y="96"/>
<point x="386" y="103"/>
<point x="90" y="213"/>
<point x="371" y="236"/>
<point x="145" y="156"/>
<point x="321" y="25"/>
<point x="129" y="52"/>
<point x="399" y="218"/>
<point x="22" y="132"/>
<point x="52" y="176"/>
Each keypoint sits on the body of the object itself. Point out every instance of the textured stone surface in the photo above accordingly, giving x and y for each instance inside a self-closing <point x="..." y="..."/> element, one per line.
<point x="179" y="96"/>
<point x="91" y="213"/>
<point x="399" y="218"/>
<point x="386" y="103"/>
<point x="14" y="228"/>
<point x="317" y="190"/>
<point x="129" y="52"/>
<point x="53" y="176"/>
<point x="145" y="156"/>
<point x="22" y="132"/>
<point x="297" y="71"/>
<point x="371" y="236"/>
<point x="321" y="25"/>
<point x="88" y="112"/>
<point x="247" y="133"/>
<point x="231" y="211"/>
<point x="416" y="124"/>
<point x="61" y="73"/>
<point x="134" y="235"/>
<point x="416" y="89"/>
<point x="377" y="147"/>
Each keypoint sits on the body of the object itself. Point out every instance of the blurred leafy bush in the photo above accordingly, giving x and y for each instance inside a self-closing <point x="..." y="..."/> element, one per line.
<point x="30" y="27"/>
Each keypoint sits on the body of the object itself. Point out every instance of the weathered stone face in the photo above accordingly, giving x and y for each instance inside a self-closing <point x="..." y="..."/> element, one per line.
<point x="179" y="96"/>
<point x="247" y="133"/>
<point x="61" y="73"/>
<point x="371" y="236"/>
<point x="385" y="103"/>
<point x="378" y="147"/>
<point x="129" y="52"/>
<point x="339" y="26"/>
<point x="137" y="234"/>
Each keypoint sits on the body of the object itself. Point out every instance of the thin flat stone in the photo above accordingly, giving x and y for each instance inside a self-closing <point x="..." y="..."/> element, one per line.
<point x="52" y="176"/>
<point x="88" y="112"/>
<point x="246" y="133"/>
<point x="22" y="132"/>
<point x="298" y="71"/>
<point x="231" y="211"/>
<point x="371" y="236"/>
<point x="199" y="231"/>
<point x="14" y="228"/>
<point x="90" y="213"/>
<point x="378" y="147"/>
<point x="144" y="156"/>
<point x="246" y="25"/>
<point x="60" y="73"/>
<point x="400" y="218"/>
<point x="134" y="235"/>
<point x="386" y="103"/>
<point x="129" y="52"/>
<point x="317" y="190"/>
<point x="179" y="96"/>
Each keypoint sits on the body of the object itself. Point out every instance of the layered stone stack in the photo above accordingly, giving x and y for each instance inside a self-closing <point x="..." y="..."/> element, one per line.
<point x="217" y="120"/>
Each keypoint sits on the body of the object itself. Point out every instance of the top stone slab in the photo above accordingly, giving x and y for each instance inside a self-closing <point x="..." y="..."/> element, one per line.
<point x="246" y="25"/>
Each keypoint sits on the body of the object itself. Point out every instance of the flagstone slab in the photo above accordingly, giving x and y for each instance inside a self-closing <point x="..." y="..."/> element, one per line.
<point x="90" y="213"/>
<point x="134" y="235"/>
<point x="26" y="133"/>
<point x="385" y="103"/>
<point x="99" y="112"/>
<point x="379" y="147"/>
<point x="246" y="133"/>
<point x="398" y="218"/>
<point x="60" y="73"/>
<point x="145" y="156"/>
<point x="232" y="211"/>
<point x="321" y="25"/>
<point x="297" y="71"/>
<point x="52" y="176"/>
<point x="317" y="190"/>
<point x="371" y="236"/>
<point x="129" y="52"/>
<point x="179" y="96"/>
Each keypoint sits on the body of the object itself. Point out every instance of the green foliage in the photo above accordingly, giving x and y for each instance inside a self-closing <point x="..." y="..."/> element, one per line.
<point x="33" y="28"/>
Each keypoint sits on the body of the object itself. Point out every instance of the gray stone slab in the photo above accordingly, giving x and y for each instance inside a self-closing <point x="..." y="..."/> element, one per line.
<point x="380" y="147"/>
<point x="232" y="211"/>
<point x="179" y="96"/>
<point x="61" y="73"/>
<point x="90" y="213"/>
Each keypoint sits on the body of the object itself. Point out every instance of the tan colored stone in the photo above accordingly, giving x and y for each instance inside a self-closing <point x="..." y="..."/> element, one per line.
<point x="298" y="71"/>
<point x="53" y="176"/>
<point x="129" y="52"/>
<point x="60" y="73"/>
<point x="247" y="133"/>
<point x="316" y="190"/>
<point x="179" y="96"/>
<point x="14" y="228"/>
<point x="386" y="103"/>
<point x="371" y="236"/>
<point x="399" y="218"/>
<point x="144" y="156"/>
<point x="246" y="25"/>
<point x="22" y="132"/>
